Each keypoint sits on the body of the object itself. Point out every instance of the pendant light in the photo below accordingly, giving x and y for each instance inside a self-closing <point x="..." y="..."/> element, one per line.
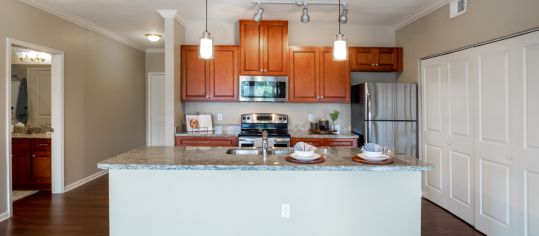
<point x="205" y="47"/>
<point x="340" y="45"/>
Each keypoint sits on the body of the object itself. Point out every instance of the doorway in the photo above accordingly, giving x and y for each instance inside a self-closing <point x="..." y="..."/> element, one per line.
<point x="35" y="119"/>
<point x="155" y="109"/>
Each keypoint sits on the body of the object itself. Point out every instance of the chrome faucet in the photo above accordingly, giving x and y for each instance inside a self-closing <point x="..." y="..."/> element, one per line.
<point x="265" y="143"/>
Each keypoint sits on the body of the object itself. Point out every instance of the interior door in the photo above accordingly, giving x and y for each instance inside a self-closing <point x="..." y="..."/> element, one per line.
<point x="528" y="153"/>
<point x="156" y="109"/>
<point x="303" y="76"/>
<point x="496" y="174"/>
<point x="461" y="84"/>
<point x="39" y="96"/>
<point x="434" y="130"/>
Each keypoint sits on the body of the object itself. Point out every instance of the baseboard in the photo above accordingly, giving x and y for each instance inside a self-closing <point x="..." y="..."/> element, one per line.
<point x="84" y="181"/>
<point x="4" y="216"/>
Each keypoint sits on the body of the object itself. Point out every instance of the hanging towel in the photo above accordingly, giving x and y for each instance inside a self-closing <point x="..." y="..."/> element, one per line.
<point x="22" y="103"/>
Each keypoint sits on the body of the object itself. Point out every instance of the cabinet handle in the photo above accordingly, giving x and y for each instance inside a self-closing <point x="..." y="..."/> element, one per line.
<point x="43" y="144"/>
<point x="33" y="155"/>
<point x="321" y="97"/>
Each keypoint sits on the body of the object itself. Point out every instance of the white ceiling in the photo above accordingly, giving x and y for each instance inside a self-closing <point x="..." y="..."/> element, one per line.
<point x="131" y="19"/>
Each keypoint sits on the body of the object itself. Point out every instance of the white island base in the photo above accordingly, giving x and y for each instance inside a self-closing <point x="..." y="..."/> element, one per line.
<point x="249" y="203"/>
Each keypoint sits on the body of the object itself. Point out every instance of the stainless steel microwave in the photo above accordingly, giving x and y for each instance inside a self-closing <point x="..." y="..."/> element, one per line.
<point x="263" y="88"/>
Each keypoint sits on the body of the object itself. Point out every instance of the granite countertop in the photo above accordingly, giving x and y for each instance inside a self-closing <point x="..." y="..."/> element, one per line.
<point x="308" y="134"/>
<point x="215" y="158"/>
<point x="38" y="135"/>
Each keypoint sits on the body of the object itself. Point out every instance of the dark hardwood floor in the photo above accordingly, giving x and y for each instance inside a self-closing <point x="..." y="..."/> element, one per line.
<point x="84" y="212"/>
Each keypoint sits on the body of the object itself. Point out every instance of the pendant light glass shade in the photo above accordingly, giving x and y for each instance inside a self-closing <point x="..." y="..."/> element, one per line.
<point x="340" y="48"/>
<point x="205" y="47"/>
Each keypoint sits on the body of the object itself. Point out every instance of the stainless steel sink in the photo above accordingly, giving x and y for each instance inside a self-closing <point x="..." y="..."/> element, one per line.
<point x="258" y="151"/>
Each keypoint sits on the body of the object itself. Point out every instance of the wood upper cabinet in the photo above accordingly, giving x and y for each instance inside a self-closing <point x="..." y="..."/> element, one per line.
<point x="263" y="47"/>
<point x="315" y="77"/>
<point x="334" y="78"/>
<point x="303" y="77"/>
<point x="209" y="80"/>
<point x="370" y="59"/>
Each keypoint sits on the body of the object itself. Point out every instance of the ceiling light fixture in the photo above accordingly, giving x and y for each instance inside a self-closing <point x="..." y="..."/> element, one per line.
<point x="153" y="37"/>
<point x="205" y="47"/>
<point x="305" y="18"/>
<point x="258" y="15"/>
<point x="343" y="18"/>
<point x="32" y="56"/>
<point x="340" y="47"/>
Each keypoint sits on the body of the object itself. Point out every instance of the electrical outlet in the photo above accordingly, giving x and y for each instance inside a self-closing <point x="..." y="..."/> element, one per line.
<point x="285" y="211"/>
<point x="311" y="117"/>
<point x="219" y="117"/>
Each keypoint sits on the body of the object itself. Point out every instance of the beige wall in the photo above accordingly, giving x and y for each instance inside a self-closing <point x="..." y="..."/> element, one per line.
<point x="104" y="89"/>
<point x="484" y="20"/>
<point x="155" y="62"/>
<point x="300" y="34"/>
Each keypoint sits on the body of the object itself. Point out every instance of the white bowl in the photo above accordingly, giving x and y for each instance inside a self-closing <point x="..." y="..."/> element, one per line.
<point x="304" y="153"/>
<point x="372" y="154"/>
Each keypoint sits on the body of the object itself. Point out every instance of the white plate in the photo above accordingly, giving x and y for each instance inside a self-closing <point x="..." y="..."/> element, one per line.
<point x="365" y="157"/>
<point x="313" y="157"/>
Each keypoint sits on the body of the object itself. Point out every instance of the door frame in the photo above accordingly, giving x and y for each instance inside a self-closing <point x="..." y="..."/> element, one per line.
<point x="57" y="119"/>
<point x="148" y="105"/>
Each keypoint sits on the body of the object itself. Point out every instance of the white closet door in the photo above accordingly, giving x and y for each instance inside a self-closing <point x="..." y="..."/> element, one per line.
<point x="528" y="153"/>
<point x="461" y="84"/>
<point x="496" y="176"/>
<point x="434" y="130"/>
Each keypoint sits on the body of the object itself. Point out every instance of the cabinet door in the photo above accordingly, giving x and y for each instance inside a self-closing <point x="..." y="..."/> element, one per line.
<point x="251" y="48"/>
<point x="207" y="141"/>
<point x="334" y="78"/>
<point x="341" y="142"/>
<point x="275" y="47"/>
<point x="386" y="59"/>
<point x="41" y="161"/>
<point x="362" y="59"/>
<point x="20" y="162"/>
<point x="317" y="142"/>
<point x="224" y="74"/>
<point x="303" y="77"/>
<point x="195" y="79"/>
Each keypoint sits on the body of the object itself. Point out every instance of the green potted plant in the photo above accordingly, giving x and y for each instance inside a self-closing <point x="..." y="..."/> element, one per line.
<point x="334" y="116"/>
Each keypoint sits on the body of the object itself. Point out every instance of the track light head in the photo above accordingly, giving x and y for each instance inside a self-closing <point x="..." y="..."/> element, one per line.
<point x="258" y="15"/>
<point x="305" y="18"/>
<point x="343" y="18"/>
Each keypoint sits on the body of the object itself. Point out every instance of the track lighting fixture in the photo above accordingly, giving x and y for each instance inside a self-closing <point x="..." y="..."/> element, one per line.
<point x="305" y="18"/>
<point x="343" y="18"/>
<point x="258" y="15"/>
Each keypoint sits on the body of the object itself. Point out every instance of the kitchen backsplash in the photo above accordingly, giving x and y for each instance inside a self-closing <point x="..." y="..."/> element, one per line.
<point x="298" y="113"/>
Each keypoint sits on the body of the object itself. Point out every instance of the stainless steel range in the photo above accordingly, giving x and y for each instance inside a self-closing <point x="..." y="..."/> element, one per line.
<point x="252" y="126"/>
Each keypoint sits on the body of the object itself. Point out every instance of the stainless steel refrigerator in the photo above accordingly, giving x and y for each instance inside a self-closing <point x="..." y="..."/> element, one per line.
<point x="386" y="114"/>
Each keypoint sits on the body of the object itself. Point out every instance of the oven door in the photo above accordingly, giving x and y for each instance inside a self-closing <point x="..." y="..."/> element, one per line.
<point x="263" y="88"/>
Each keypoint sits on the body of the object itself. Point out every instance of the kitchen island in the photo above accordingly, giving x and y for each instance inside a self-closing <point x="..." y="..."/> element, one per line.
<point x="204" y="191"/>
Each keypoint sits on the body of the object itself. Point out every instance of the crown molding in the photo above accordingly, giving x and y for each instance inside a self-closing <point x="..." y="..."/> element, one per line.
<point x="80" y="22"/>
<point x="421" y="12"/>
<point x="155" y="50"/>
<point x="168" y="13"/>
